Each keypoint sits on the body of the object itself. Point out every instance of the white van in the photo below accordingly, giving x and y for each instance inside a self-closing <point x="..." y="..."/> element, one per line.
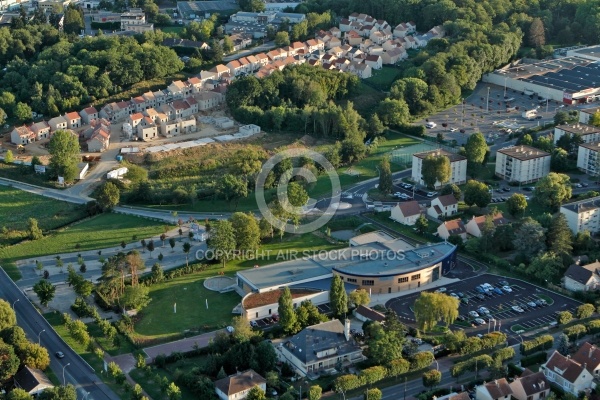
<point x="430" y="125"/>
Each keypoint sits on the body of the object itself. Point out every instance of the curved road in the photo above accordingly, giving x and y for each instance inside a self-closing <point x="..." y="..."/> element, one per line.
<point x="78" y="372"/>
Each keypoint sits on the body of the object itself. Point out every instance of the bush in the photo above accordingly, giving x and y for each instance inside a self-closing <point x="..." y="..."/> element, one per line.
<point x="413" y="130"/>
<point x="593" y="326"/>
<point x="543" y="342"/>
<point x="575" y="332"/>
<point x="537" y="358"/>
<point x="82" y="309"/>
<point x="504" y="354"/>
<point x="421" y="360"/>
<point x="585" y="310"/>
<point x="479" y="362"/>
<point x="564" y="317"/>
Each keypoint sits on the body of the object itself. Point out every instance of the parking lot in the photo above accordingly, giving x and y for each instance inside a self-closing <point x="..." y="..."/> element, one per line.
<point x="499" y="305"/>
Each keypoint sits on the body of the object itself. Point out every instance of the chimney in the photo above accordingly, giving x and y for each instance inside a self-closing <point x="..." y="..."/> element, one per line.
<point x="591" y="351"/>
<point x="347" y="329"/>
<point x="251" y="375"/>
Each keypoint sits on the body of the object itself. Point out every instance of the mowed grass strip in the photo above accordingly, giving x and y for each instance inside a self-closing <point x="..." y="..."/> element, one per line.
<point x="99" y="232"/>
<point x="17" y="206"/>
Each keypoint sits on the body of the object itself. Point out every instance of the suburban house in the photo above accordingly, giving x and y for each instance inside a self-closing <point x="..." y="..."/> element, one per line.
<point x="582" y="277"/>
<point x="99" y="141"/>
<point x="476" y="225"/>
<point x="178" y="89"/>
<point x="454" y="227"/>
<point x="73" y="120"/>
<point x="523" y="164"/>
<point x="567" y="373"/>
<point x="41" y="130"/>
<point x="209" y="99"/>
<point x="530" y="386"/>
<point x="498" y="389"/>
<point x="237" y="386"/>
<point x="147" y="129"/>
<point x="392" y="56"/>
<point x="406" y="213"/>
<point x="320" y="347"/>
<point x="57" y="123"/>
<point x="588" y="133"/>
<point x="88" y="114"/>
<point x="589" y="356"/>
<point x="374" y="61"/>
<point x="443" y="206"/>
<point x="32" y="380"/>
<point x="458" y="166"/>
<point x="219" y="70"/>
<point x="583" y="215"/>
<point x="21" y="135"/>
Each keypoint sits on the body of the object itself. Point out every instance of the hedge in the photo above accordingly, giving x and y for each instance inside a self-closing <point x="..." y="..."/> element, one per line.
<point x="504" y="354"/>
<point x="536" y="358"/>
<point x="107" y="26"/>
<point x="414" y="130"/>
<point x="421" y="360"/>
<point x="575" y="331"/>
<point x="479" y="362"/>
<point x="593" y="326"/>
<point x="543" y="342"/>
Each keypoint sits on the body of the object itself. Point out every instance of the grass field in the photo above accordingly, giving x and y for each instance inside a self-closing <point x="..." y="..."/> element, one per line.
<point x="22" y="173"/>
<point x="382" y="79"/>
<point x="102" y="231"/>
<point x="171" y="29"/>
<point x="157" y="320"/>
<point x="17" y="206"/>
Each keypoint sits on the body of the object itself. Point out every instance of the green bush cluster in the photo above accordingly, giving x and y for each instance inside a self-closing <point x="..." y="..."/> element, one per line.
<point x="537" y="358"/>
<point x="503" y="354"/>
<point x="543" y="342"/>
<point x="575" y="331"/>
<point x="82" y="309"/>
<point x="479" y="362"/>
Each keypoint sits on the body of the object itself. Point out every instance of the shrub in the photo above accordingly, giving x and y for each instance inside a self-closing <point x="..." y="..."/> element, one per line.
<point x="503" y="354"/>
<point x="478" y="362"/>
<point x="585" y="310"/>
<point x="536" y="358"/>
<point x="575" y="332"/>
<point x="543" y="342"/>
<point x="564" y="317"/>
<point x="421" y="360"/>
<point x="593" y="326"/>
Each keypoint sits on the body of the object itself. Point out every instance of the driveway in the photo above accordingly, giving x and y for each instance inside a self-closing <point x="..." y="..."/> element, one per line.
<point x="181" y="346"/>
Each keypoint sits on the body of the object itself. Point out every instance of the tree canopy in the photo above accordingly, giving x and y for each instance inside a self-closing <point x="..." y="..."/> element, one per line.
<point x="64" y="154"/>
<point x="430" y="308"/>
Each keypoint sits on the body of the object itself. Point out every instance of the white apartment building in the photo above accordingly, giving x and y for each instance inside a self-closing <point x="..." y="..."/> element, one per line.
<point x="588" y="160"/>
<point x="458" y="165"/>
<point x="586" y="114"/>
<point x="134" y="16"/>
<point x="588" y="133"/>
<point x="583" y="215"/>
<point x="522" y="164"/>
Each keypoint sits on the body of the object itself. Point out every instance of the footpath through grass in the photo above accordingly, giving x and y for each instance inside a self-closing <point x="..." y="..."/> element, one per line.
<point x="99" y="232"/>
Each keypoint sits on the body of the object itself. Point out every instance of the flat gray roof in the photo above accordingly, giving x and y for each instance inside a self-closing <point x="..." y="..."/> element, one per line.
<point x="192" y="7"/>
<point x="284" y="273"/>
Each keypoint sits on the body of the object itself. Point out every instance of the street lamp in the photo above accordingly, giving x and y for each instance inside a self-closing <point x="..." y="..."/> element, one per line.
<point x="15" y="302"/>
<point x="521" y="337"/>
<point x="64" y="381"/>
<point x="437" y="366"/>
<point x="42" y="331"/>
<point x="86" y="395"/>
<point x="487" y="101"/>
<point x="505" y="86"/>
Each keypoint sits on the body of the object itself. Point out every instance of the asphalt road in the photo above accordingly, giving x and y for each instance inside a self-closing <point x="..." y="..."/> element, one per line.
<point x="76" y="371"/>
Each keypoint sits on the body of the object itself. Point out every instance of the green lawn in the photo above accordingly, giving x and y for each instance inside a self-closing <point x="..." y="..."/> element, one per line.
<point x="23" y="173"/>
<point x="157" y="320"/>
<point x="55" y="319"/>
<point x="171" y="29"/>
<point x="123" y="346"/>
<point x="150" y="386"/>
<point x="17" y="206"/>
<point x="102" y="231"/>
<point x="382" y="79"/>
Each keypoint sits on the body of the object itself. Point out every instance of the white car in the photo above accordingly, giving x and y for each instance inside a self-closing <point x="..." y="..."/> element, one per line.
<point x="441" y="290"/>
<point x="483" y="310"/>
<point x="431" y="194"/>
<point x="518" y="309"/>
<point x="230" y="329"/>
<point x="453" y="129"/>
<point x="454" y="295"/>
<point x="473" y="314"/>
<point x="507" y="289"/>
<point x="480" y="321"/>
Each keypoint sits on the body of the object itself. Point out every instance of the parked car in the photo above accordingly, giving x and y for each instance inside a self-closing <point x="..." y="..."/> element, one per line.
<point x="460" y="294"/>
<point x="480" y="321"/>
<point x="253" y="324"/>
<point x="518" y="309"/>
<point x="507" y="289"/>
<point x="503" y="283"/>
<point x="532" y="304"/>
<point x="506" y="189"/>
<point x="461" y="318"/>
<point x="480" y="296"/>
<point x="431" y="194"/>
<point x="454" y="295"/>
<point x="488" y="293"/>
<point x="441" y="290"/>
<point x="483" y="310"/>
<point x="230" y="329"/>
<point x="479" y="289"/>
<point x="473" y="314"/>
<point x="275" y="317"/>
<point x="541" y="302"/>
<point x="498" y="291"/>
<point x="59" y="354"/>
<point x="464" y="300"/>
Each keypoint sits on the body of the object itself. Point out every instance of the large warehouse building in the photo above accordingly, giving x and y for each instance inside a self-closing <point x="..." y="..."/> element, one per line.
<point x="571" y="80"/>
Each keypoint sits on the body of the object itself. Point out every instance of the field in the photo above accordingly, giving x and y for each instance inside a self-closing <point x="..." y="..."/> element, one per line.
<point x="158" y="320"/>
<point x="24" y="174"/>
<point x="382" y="79"/>
<point x="17" y="206"/>
<point x="102" y="231"/>
<point x="171" y="29"/>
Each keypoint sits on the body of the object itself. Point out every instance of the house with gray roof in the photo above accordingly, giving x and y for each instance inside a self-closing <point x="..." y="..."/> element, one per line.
<point x="530" y="386"/>
<point x="582" y="277"/>
<point x="321" y="347"/>
<point x="237" y="386"/>
<point x="32" y="380"/>
<point x="498" y="389"/>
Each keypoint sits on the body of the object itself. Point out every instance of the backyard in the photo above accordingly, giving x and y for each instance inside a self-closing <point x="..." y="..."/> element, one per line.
<point x="99" y="232"/>
<point x="382" y="79"/>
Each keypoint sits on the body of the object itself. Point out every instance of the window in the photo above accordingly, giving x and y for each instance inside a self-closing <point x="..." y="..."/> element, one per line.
<point x="415" y="277"/>
<point x="368" y="282"/>
<point x="529" y="397"/>
<point x="353" y="280"/>
<point x="403" y="280"/>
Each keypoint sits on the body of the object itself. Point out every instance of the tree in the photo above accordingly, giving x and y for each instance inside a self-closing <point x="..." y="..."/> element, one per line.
<point x="421" y="224"/>
<point x="33" y="355"/>
<point x="232" y="188"/>
<point x="516" y="204"/>
<point x="287" y="316"/>
<point x="108" y="196"/>
<point x="297" y="195"/>
<point x="537" y="33"/>
<point x="64" y="154"/>
<point x="560" y="237"/>
<point x="338" y="299"/>
<point x="585" y="310"/>
<point x="282" y="39"/>
<point x="157" y="273"/>
<point x="595" y="119"/>
<point x="242" y="331"/>
<point x="561" y="118"/>
<point x="59" y="393"/>
<point x="432" y="378"/>
<point x="227" y="44"/>
<point x="375" y="126"/>
<point x="256" y="393"/>
<point x="475" y="149"/>
<point x="172" y="244"/>
<point x="9" y="362"/>
<point x="222" y="240"/>
<point x="563" y="344"/>
<point x="559" y="161"/>
<point x="477" y="193"/>
<point x="530" y="238"/>
<point x="23" y="112"/>
<point x="8" y="157"/>
<point x="393" y="112"/>
<point x="34" y="232"/>
<point x="552" y="190"/>
<point x="136" y="297"/>
<point x="564" y="317"/>
<point x="435" y="169"/>
<point x="186" y="249"/>
<point x="546" y="266"/>
<point x="430" y="308"/>
<point x="150" y="247"/>
<point x="315" y="392"/>
<point x="266" y="358"/>
<point x="373" y="394"/>
<point x="45" y="291"/>
<point x="19" y="394"/>
<point x="173" y="392"/>
<point x="452" y="189"/>
<point x="359" y="297"/>
<point x="385" y="176"/>
<point x="345" y="383"/>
